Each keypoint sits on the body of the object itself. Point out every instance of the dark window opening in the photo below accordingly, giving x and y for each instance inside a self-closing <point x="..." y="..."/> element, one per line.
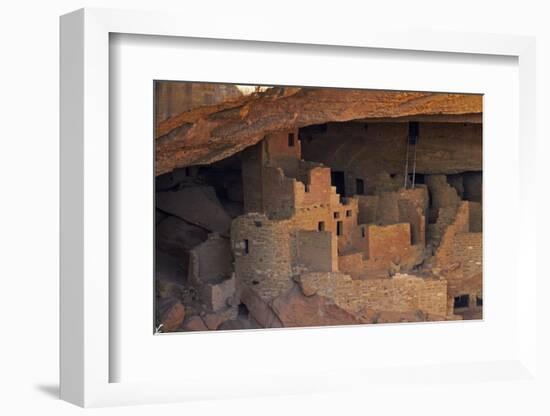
<point x="479" y="301"/>
<point x="336" y="215"/>
<point x="243" y="310"/>
<point x="255" y="282"/>
<point x="246" y="247"/>
<point x="348" y="213"/>
<point x="363" y="232"/>
<point x="258" y="223"/>
<point x="321" y="226"/>
<point x="359" y="186"/>
<point x="307" y="188"/>
<point x="290" y="139"/>
<point x="413" y="132"/>
<point x="419" y="178"/>
<point x="339" y="228"/>
<point x="462" y="301"/>
<point x="337" y="179"/>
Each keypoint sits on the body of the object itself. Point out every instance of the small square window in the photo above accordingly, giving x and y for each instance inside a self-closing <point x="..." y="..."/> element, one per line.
<point x="290" y="139"/>
<point x="336" y="214"/>
<point x="462" y="301"/>
<point x="348" y="213"/>
<point x="321" y="226"/>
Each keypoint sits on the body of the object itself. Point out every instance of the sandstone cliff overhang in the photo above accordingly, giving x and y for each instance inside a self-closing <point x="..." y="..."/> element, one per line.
<point x="207" y="134"/>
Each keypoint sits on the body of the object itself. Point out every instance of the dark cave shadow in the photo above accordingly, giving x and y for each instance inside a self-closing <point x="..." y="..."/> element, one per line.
<point x="51" y="390"/>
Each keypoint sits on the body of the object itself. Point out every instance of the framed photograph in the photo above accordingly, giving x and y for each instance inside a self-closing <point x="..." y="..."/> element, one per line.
<point x="309" y="206"/>
<point x="274" y="214"/>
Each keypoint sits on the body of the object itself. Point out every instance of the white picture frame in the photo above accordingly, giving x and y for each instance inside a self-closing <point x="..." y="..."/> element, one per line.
<point x="86" y="355"/>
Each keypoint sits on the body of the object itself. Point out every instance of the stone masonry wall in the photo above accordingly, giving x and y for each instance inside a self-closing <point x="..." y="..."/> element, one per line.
<point x="445" y="253"/>
<point x="401" y="294"/>
<point x="320" y="207"/>
<point x="279" y="152"/>
<point x="352" y="264"/>
<point x="368" y="208"/>
<point x="268" y="169"/>
<point x="412" y="206"/>
<point x="263" y="253"/>
<point x="389" y="246"/>
<point x="468" y="251"/>
<point x="218" y="296"/>
<point x="251" y="169"/>
<point x="315" y="182"/>
<point x="210" y="261"/>
<point x="346" y="214"/>
<point x="278" y="194"/>
<point x="315" y="251"/>
<point x="387" y="242"/>
<point x="442" y="195"/>
<point x="388" y="209"/>
<point x="402" y="206"/>
<point x="460" y="255"/>
<point x="476" y="217"/>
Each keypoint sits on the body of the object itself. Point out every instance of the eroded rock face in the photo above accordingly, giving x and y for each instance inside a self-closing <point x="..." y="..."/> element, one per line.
<point x="172" y="314"/>
<point x="177" y="237"/>
<point x="175" y="97"/>
<point x="378" y="148"/>
<point x="295" y="309"/>
<point x="198" y="205"/>
<point x="195" y="323"/>
<point x="259" y="309"/>
<point x="207" y="134"/>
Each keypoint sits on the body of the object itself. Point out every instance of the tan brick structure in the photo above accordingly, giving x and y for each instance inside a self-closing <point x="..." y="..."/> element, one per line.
<point x="354" y="249"/>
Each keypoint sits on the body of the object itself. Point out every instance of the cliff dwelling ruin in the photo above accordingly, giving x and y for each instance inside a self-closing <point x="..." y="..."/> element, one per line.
<point x="292" y="207"/>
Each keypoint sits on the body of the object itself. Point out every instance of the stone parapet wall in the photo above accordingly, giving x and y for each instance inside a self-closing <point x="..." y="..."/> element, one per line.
<point x="386" y="242"/>
<point x="460" y="255"/>
<point x="402" y="206"/>
<point x="413" y="207"/>
<point x="468" y="251"/>
<point x="401" y="294"/>
<point x="460" y="224"/>
<point x="352" y="264"/>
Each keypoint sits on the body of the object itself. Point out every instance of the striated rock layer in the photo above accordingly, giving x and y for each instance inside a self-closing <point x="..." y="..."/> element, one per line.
<point x="210" y="133"/>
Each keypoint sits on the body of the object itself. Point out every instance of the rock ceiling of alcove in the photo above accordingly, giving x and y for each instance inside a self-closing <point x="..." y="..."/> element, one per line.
<point x="207" y="134"/>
